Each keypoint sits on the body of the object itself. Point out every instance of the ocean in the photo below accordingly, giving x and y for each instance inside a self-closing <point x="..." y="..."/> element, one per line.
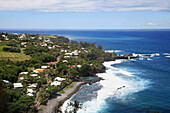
<point x="144" y="83"/>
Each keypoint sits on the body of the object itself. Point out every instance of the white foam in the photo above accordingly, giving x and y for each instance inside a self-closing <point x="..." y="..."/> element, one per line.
<point x="166" y="53"/>
<point x="110" y="84"/>
<point x="151" y="55"/>
<point x="167" y="56"/>
<point x="157" y="54"/>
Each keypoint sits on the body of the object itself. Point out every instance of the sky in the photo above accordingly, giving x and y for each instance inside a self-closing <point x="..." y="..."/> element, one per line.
<point x="85" y="14"/>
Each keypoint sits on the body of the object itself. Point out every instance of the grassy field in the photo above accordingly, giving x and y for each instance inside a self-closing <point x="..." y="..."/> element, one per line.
<point x="12" y="56"/>
<point x="48" y="36"/>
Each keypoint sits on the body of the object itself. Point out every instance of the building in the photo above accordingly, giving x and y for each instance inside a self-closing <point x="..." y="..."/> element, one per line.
<point x="44" y="67"/>
<point x="59" y="79"/>
<point x="34" y="75"/>
<point x="56" y="83"/>
<point x="18" y="85"/>
<point x="24" y="73"/>
<point x="6" y="81"/>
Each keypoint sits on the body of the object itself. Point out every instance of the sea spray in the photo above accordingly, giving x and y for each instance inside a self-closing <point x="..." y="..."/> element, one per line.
<point x="113" y="86"/>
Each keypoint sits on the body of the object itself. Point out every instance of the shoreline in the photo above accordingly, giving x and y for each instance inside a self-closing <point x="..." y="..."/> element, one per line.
<point x="56" y="99"/>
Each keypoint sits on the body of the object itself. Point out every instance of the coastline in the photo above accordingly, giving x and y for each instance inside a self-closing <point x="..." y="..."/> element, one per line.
<point x="56" y="99"/>
<point x="54" y="102"/>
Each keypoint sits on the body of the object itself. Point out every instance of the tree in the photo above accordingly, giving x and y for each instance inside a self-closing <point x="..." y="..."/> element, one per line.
<point x="86" y="70"/>
<point x="72" y="72"/>
<point x="3" y="100"/>
<point x="22" y="105"/>
<point x="99" y="47"/>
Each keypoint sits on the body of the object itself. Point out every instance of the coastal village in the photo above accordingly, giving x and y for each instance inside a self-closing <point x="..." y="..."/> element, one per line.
<point x="35" y="67"/>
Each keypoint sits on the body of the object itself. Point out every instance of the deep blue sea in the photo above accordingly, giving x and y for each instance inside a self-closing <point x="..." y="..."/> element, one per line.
<point x="147" y="82"/>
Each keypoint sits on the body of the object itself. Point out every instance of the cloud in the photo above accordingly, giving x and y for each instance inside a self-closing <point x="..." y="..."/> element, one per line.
<point x="85" y="5"/>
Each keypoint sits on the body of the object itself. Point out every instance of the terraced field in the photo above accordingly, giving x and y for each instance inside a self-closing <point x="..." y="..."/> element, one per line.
<point x="13" y="56"/>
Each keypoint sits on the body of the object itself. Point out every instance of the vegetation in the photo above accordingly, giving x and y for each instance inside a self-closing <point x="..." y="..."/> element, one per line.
<point x="28" y="52"/>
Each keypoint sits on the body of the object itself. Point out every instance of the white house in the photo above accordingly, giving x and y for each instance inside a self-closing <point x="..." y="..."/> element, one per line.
<point x="79" y="66"/>
<point x="68" y="54"/>
<point x="21" y="78"/>
<point x="33" y="85"/>
<point x="30" y="94"/>
<point x="6" y="81"/>
<point x="50" y="47"/>
<point x="24" y="73"/>
<point x="32" y="37"/>
<point x="75" y="53"/>
<point x="40" y="38"/>
<point x="34" y="75"/>
<point x="46" y="39"/>
<point x="18" y="85"/>
<point x="65" y="61"/>
<point x="30" y="91"/>
<point x="55" y="83"/>
<point x="44" y="67"/>
<point x="59" y="79"/>
<point x="63" y="50"/>
<point x="35" y="71"/>
<point x="23" y="43"/>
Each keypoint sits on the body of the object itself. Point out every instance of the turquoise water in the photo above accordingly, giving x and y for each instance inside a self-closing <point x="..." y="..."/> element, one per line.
<point x="146" y="81"/>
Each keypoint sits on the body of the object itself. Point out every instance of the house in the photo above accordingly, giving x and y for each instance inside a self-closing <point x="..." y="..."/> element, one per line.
<point x="56" y="83"/>
<point x="44" y="67"/>
<point x="18" y="85"/>
<point x="64" y="51"/>
<point x="20" y="78"/>
<point x="6" y="38"/>
<point x="30" y="91"/>
<point x="34" y="75"/>
<point x="6" y="81"/>
<point x="68" y="54"/>
<point x="32" y="37"/>
<point x="22" y="36"/>
<point x="44" y="44"/>
<point x="39" y="70"/>
<point x="86" y="51"/>
<point x="30" y="94"/>
<point x="65" y="61"/>
<point x="3" y="36"/>
<point x="79" y="66"/>
<point x="54" y="46"/>
<point x="73" y="66"/>
<point x="50" y="47"/>
<point x="23" y="43"/>
<point x="41" y="44"/>
<point x="33" y="86"/>
<point x="59" y="79"/>
<point x="40" y="38"/>
<point x="46" y="39"/>
<point x="35" y="71"/>
<point x="24" y="73"/>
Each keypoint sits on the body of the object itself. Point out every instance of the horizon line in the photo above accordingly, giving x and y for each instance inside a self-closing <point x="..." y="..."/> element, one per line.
<point x="46" y="29"/>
